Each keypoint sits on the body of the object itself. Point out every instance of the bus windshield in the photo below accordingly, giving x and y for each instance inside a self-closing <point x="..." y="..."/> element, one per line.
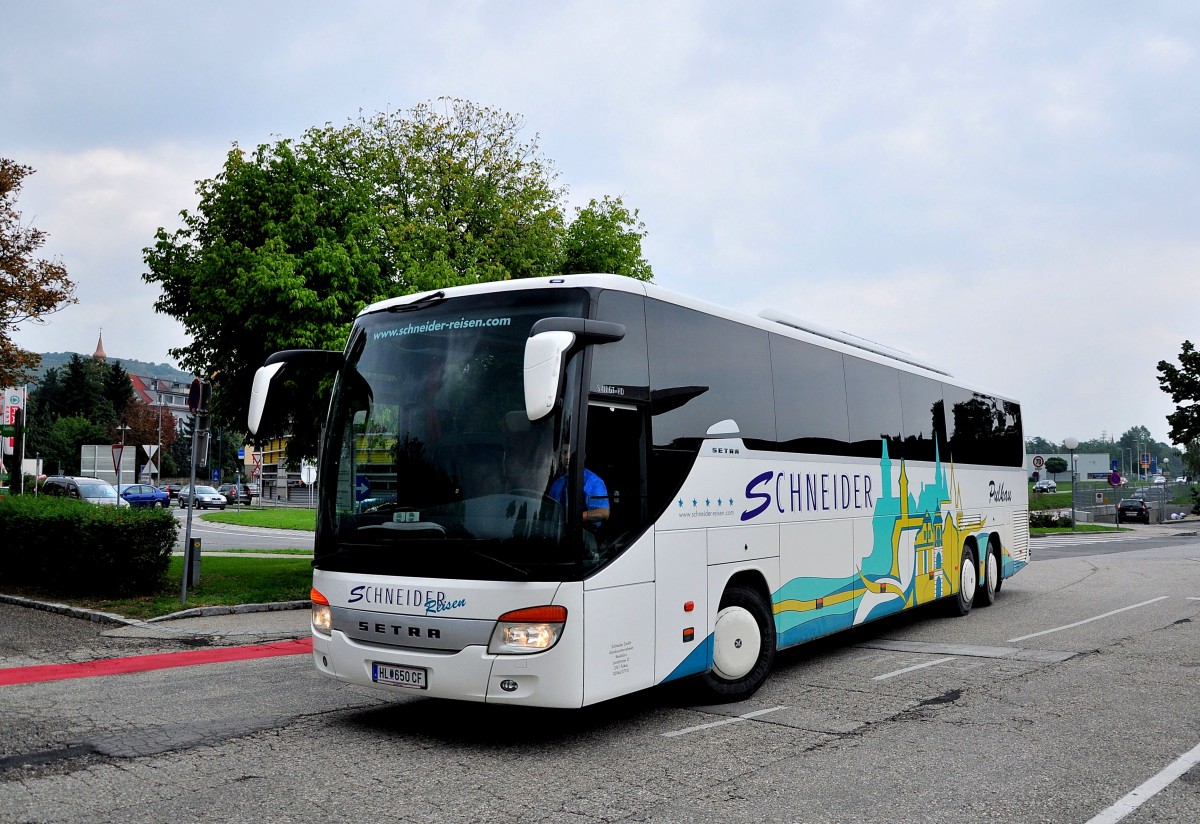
<point x="439" y="471"/>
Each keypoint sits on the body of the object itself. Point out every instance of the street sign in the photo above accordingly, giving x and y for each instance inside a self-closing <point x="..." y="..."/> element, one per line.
<point x="242" y="453"/>
<point x="8" y="430"/>
<point x="117" y="449"/>
<point x="362" y="487"/>
<point x="308" y="473"/>
<point x="1114" y="479"/>
<point x="1038" y="461"/>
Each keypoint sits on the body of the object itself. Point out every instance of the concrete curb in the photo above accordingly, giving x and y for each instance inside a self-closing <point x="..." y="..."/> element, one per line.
<point x="99" y="617"/>
<point x="240" y="609"/>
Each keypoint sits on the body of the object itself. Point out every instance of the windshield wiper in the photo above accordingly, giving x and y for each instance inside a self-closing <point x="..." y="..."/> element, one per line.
<point x="420" y="303"/>
<point x="523" y="572"/>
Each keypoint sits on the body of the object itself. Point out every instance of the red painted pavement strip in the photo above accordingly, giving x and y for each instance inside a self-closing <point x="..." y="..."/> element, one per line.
<point x="144" y="663"/>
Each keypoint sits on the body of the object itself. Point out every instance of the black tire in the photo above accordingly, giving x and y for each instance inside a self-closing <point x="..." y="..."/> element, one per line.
<point x="968" y="578"/>
<point x="745" y="619"/>
<point x="985" y="595"/>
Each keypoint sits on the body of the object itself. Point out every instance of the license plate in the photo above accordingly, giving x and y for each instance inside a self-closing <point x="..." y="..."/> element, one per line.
<point x="399" y="676"/>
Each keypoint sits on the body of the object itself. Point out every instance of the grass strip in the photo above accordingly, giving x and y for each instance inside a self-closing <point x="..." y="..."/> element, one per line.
<point x="224" y="581"/>
<point x="270" y="517"/>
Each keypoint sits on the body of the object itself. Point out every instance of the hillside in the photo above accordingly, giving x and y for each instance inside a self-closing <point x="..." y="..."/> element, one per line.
<point x="55" y="360"/>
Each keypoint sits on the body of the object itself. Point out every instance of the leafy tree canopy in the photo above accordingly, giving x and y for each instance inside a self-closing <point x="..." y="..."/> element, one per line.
<point x="605" y="237"/>
<point x="289" y="241"/>
<point x="1056" y="465"/>
<point x="29" y="288"/>
<point x="1182" y="383"/>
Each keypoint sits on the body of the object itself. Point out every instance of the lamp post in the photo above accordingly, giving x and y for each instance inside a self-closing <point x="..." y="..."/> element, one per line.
<point x="1071" y="444"/>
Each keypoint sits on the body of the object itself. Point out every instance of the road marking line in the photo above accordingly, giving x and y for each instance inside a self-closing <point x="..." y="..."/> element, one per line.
<point x="934" y="662"/>
<point x="1135" y="798"/>
<point x="721" y="723"/>
<point x="145" y="663"/>
<point x="1086" y="620"/>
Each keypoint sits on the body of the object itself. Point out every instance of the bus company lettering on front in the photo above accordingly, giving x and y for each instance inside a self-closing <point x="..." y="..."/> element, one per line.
<point x="809" y="492"/>
<point x="433" y="601"/>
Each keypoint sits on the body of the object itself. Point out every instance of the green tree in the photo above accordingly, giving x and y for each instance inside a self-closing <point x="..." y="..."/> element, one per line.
<point x="117" y="389"/>
<point x="29" y="288"/>
<point x="460" y="198"/>
<point x="1191" y="459"/>
<point x="290" y="241"/>
<point x="1182" y="383"/>
<point x="1056" y="465"/>
<point x="606" y="237"/>
<point x="1040" y="446"/>
<point x="283" y="250"/>
<point x="60" y="450"/>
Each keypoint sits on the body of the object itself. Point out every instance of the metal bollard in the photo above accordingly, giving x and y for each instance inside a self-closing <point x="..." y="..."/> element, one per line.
<point x="193" y="563"/>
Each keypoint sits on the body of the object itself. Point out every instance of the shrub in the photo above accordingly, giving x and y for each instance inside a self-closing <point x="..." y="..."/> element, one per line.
<point x="1049" y="519"/>
<point x="68" y="547"/>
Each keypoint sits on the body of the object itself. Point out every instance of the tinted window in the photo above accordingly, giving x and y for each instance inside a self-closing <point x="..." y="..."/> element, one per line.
<point x="873" y="398"/>
<point x="621" y="365"/>
<point x="810" y="397"/>
<point x="924" y="422"/>
<point x="983" y="429"/>
<point x="704" y="370"/>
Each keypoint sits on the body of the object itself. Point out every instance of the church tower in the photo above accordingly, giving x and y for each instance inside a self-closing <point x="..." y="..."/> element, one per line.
<point x="99" y="353"/>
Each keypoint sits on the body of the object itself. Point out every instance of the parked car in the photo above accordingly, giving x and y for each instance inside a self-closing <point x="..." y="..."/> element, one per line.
<point x="204" y="497"/>
<point x="1133" y="509"/>
<point x="241" y="492"/>
<point x="1045" y="486"/>
<point x="145" y="495"/>
<point x="91" y="490"/>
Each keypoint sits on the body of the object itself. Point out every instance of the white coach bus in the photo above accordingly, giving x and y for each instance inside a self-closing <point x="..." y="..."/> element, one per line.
<point x="557" y="491"/>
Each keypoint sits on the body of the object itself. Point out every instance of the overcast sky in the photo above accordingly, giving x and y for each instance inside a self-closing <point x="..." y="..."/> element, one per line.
<point x="1008" y="190"/>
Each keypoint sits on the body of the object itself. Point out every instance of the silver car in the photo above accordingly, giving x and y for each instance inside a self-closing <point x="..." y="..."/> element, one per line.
<point x="90" y="490"/>
<point x="204" y="497"/>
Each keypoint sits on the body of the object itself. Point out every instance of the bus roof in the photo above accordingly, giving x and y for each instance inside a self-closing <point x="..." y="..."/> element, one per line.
<point x="769" y="319"/>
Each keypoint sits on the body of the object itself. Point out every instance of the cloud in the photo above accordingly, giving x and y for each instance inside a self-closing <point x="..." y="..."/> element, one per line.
<point x="1007" y="189"/>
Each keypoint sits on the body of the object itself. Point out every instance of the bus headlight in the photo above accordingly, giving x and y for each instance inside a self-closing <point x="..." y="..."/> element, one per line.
<point x="522" y="631"/>
<point x="322" y="617"/>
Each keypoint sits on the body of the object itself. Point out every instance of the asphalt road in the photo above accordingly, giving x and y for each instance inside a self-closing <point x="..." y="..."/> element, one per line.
<point x="218" y="537"/>
<point x="1076" y="688"/>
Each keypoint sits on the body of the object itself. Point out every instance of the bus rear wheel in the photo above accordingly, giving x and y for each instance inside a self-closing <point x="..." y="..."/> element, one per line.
<point x="968" y="580"/>
<point x="743" y="645"/>
<point x="985" y="596"/>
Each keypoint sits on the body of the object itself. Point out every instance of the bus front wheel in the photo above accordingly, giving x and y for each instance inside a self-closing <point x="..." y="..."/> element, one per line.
<point x="743" y="642"/>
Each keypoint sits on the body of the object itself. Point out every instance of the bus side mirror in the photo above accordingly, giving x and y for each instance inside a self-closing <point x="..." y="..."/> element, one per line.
<point x="543" y="371"/>
<point x="325" y="360"/>
<point x="258" y="395"/>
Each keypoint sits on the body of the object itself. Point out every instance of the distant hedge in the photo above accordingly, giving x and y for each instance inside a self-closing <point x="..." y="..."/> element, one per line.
<point x="68" y="547"/>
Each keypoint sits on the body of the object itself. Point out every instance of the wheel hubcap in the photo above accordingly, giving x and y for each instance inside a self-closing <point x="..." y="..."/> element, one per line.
<point x="968" y="580"/>
<point x="736" y="643"/>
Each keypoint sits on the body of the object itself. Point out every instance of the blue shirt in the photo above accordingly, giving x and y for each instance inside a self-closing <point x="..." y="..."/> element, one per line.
<point x="594" y="492"/>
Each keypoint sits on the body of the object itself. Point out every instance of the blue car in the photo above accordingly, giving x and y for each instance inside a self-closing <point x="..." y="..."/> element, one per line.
<point x="145" y="495"/>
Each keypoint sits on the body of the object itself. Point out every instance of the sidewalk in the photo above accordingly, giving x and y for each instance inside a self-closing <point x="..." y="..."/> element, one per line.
<point x="247" y="623"/>
<point x="243" y="624"/>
